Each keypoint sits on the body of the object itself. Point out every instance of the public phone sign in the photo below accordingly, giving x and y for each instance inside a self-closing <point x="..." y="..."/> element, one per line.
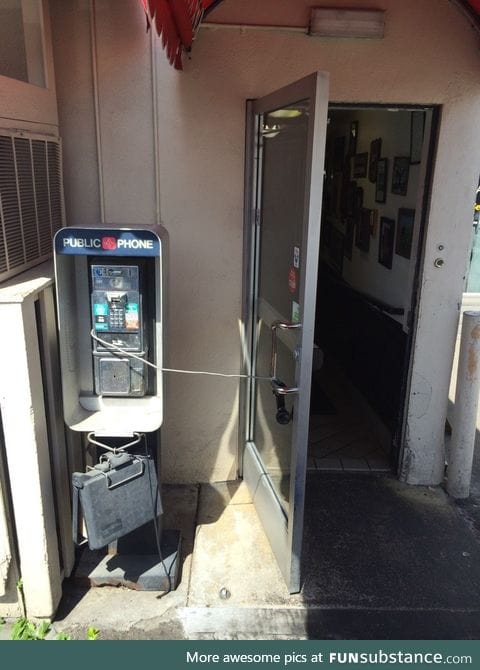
<point x="106" y="242"/>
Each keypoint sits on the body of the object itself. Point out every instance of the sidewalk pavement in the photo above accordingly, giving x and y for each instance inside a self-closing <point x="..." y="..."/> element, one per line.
<point x="381" y="560"/>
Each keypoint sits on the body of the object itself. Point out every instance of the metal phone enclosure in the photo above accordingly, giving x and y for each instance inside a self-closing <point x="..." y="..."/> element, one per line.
<point x="110" y="284"/>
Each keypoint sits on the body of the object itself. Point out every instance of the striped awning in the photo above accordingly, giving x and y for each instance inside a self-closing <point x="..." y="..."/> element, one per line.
<point x="176" y="21"/>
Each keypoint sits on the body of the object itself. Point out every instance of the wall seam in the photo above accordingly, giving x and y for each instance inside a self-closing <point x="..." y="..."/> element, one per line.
<point x="96" y="101"/>
<point x="156" y="139"/>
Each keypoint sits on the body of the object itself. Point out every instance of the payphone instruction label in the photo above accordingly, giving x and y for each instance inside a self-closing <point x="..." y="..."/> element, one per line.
<point x="107" y="242"/>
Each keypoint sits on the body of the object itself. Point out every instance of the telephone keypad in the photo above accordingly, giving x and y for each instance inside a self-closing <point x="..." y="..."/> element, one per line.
<point x="117" y="319"/>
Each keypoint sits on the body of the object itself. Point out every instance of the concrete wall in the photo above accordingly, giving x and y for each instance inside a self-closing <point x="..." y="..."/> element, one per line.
<point x="26" y="107"/>
<point x="171" y="146"/>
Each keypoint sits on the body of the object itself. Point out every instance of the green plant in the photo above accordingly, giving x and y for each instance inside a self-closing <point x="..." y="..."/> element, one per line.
<point x="93" y="633"/>
<point x="63" y="636"/>
<point x="23" y="629"/>
<point x="22" y="595"/>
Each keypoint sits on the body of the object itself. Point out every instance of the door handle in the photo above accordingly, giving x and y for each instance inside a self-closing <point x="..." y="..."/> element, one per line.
<point x="283" y="325"/>
<point x="283" y="416"/>
<point x="279" y="388"/>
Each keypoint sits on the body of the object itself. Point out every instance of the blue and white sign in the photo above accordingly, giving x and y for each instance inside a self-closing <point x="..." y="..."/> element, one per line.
<point x="106" y="242"/>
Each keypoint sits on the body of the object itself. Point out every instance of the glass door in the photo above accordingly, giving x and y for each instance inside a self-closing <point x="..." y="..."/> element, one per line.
<point x="284" y="195"/>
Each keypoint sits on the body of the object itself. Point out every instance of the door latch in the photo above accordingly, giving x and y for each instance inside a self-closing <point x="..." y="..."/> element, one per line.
<point x="279" y="390"/>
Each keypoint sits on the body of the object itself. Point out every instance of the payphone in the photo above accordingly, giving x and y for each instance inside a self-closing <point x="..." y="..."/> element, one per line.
<point x="109" y="283"/>
<point x="110" y="310"/>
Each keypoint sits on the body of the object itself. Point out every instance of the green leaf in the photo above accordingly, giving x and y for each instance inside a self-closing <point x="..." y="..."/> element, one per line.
<point x="23" y="629"/>
<point x="63" y="636"/>
<point x="42" y="630"/>
<point x="93" y="633"/>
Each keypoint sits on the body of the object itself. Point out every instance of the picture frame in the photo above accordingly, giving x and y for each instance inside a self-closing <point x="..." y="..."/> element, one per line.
<point x="336" y="251"/>
<point x="381" y="180"/>
<point x="337" y="194"/>
<point x="357" y="199"/>
<point x="351" y="195"/>
<point x="362" y="237"/>
<point x="375" y="153"/>
<point x="373" y="222"/>
<point x="385" y="243"/>
<point x="338" y="153"/>
<point x="417" y="130"/>
<point x="406" y="221"/>
<point x="400" y="170"/>
<point x="349" y="235"/>
<point x="352" y="138"/>
<point x="360" y="165"/>
<point x="345" y="190"/>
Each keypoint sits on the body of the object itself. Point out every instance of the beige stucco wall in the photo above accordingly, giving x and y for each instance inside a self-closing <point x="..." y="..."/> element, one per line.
<point x="187" y="168"/>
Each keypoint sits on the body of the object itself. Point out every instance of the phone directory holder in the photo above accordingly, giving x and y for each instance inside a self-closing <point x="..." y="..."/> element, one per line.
<point x="109" y="282"/>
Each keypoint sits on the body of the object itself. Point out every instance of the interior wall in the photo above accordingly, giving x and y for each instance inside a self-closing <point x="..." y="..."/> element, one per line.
<point x="363" y="271"/>
<point x="429" y="56"/>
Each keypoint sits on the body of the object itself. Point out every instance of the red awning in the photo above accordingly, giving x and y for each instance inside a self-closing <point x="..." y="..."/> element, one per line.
<point x="475" y="4"/>
<point x="177" y="20"/>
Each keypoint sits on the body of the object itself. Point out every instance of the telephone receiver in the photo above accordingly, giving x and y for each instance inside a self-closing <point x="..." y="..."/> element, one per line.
<point x="283" y="416"/>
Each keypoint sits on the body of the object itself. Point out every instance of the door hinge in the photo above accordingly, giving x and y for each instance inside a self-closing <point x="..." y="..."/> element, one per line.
<point x="257" y="217"/>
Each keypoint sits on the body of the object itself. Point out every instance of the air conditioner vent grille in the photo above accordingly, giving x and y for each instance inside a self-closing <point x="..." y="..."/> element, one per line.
<point x="31" y="200"/>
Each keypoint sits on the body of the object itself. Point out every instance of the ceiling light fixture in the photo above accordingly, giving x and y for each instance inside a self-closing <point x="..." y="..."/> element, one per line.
<point x="356" y="23"/>
<point x="285" y="113"/>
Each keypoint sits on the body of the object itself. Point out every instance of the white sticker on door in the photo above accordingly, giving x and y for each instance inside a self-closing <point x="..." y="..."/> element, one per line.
<point x="296" y="257"/>
<point x="295" y="312"/>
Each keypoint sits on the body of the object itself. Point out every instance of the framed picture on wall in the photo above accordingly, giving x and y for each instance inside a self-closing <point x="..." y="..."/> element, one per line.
<point x="362" y="237"/>
<point x="401" y="167"/>
<point x="381" y="181"/>
<point x="406" y="219"/>
<point x="385" y="244"/>
<point x="336" y="251"/>
<point x="358" y="200"/>
<point x="360" y="164"/>
<point x="338" y="154"/>
<point x="349" y="234"/>
<point x="352" y="138"/>
<point x="375" y="153"/>
<point x="417" y="128"/>
<point x="345" y="189"/>
<point x="352" y="187"/>
<point x="373" y="222"/>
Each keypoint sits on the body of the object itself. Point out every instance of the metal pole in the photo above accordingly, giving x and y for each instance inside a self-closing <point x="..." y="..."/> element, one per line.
<point x="465" y="413"/>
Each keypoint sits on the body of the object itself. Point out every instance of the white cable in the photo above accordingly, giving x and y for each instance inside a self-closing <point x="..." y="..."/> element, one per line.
<point x="110" y="345"/>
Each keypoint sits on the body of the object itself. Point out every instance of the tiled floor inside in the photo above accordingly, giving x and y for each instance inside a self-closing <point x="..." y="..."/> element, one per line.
<point x="342" y="435"/>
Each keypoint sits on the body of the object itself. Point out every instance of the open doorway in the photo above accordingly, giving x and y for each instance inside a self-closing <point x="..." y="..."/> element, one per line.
<point x="370" y="244"/>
